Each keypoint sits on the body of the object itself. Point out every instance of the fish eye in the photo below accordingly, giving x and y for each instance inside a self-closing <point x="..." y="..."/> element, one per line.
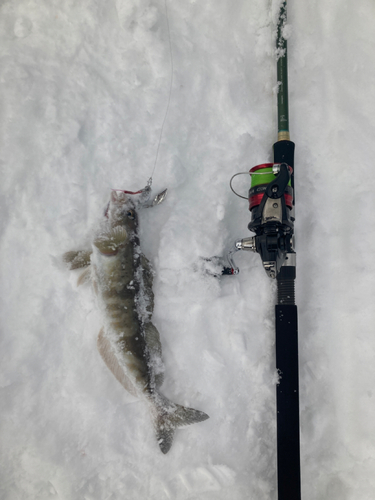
<point x="131" y="214"/>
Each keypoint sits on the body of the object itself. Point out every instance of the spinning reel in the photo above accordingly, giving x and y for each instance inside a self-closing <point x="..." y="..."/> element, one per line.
<point x="272" y="219"/>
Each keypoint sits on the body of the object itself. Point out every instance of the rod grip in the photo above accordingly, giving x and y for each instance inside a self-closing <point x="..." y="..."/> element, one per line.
<point x="287" y="395"/>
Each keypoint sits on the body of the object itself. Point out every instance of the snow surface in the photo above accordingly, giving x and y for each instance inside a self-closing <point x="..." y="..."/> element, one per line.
<point x="84" y="90"/>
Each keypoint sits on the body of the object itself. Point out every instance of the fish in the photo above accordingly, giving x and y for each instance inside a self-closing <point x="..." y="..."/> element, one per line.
<point x="129" y="343"/>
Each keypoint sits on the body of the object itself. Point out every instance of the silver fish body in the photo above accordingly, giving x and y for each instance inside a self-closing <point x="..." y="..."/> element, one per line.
<point x="129" y="343"/>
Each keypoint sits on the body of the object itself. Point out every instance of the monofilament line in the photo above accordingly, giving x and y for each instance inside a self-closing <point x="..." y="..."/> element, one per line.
<point x="170" y="90"/>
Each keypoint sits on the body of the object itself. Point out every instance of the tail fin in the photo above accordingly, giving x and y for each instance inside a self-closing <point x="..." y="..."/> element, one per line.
<point x="169" y="416"/>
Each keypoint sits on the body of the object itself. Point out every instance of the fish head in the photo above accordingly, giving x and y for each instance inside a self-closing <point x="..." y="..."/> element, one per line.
<point x="121" y="211"/>
<point x="118" y="227"/>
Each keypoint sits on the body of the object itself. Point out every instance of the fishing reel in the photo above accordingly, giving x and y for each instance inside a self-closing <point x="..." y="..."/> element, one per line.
<point x="272" y="218"/>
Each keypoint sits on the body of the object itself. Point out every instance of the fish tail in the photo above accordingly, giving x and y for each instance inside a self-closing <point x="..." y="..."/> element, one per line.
<point x="169" y="416"/>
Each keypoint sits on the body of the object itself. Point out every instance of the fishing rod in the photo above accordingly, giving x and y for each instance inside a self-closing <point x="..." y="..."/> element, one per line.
<point x="272" y="203"/>
<point x="286" y="315"/>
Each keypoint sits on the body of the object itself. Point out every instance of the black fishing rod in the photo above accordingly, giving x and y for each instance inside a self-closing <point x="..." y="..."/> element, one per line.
<point x="272" y="206"/>
<point x="286" y="317"/>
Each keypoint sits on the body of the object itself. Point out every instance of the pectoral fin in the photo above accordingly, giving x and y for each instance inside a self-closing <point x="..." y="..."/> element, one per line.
<point x="77" y="258"/>
<point x="108" y="242"/>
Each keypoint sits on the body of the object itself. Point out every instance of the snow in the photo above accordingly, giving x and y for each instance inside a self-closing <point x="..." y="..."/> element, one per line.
<point x="84" y="91"/>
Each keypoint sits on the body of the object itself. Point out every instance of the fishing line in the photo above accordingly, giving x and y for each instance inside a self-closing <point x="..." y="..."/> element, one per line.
<point x="169" y="96"/>
<point x="147" y="189"/>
